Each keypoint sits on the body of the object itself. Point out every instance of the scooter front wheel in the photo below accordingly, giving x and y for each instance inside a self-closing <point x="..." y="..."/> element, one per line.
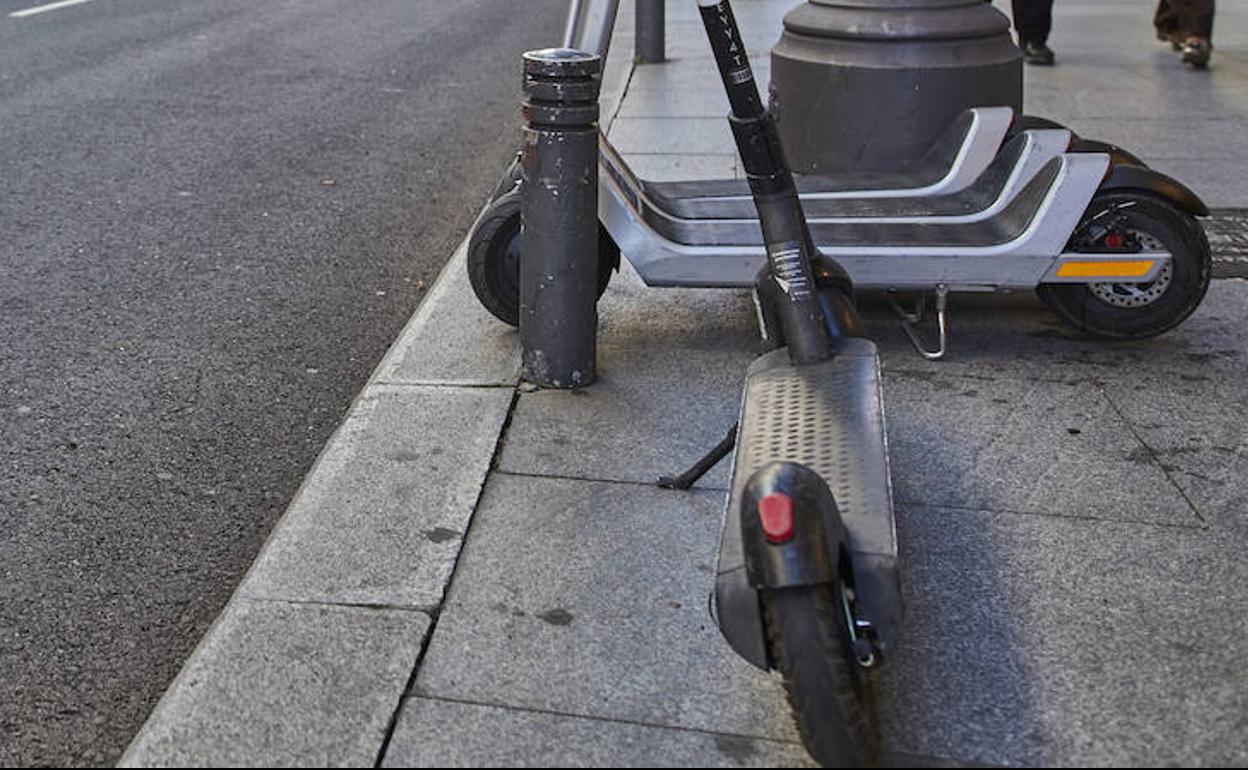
<point x="1120" y="221"/>
<point x="494" y="258"/>
<point x="827" y="688"/>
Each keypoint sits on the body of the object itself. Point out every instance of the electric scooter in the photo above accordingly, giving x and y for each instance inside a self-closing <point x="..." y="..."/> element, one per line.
<point x="1110" y="245"/>
<point x="807" y="578"/>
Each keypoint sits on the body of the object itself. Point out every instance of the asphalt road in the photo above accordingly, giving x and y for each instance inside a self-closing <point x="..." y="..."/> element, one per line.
<point x="215" y="216"/>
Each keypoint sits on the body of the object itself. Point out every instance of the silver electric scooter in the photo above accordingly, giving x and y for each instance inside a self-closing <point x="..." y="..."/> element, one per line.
<point x="1110" y="245"/>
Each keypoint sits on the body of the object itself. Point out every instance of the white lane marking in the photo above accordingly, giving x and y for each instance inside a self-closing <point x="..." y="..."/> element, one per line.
<point x="42" y="8"/>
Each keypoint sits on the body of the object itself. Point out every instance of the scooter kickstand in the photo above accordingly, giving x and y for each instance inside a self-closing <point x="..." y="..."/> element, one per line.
<point x="909" y="322"/>
<point x="699" y="469"/>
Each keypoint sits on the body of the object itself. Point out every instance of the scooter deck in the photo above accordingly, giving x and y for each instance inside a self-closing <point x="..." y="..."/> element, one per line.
<point x="979" y="195"/>
<point x="828" y="417"/>
<point x="1002" y="227"/>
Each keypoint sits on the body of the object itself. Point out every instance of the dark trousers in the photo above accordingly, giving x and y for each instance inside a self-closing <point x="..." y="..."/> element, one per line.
<point x="1034" y="20"/>
<point x="1181" y="19"/>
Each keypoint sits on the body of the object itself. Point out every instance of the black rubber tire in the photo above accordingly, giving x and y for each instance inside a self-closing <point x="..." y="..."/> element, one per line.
<point x="1076" y="304"/>
<point x="494" y="258"/>
<point x="827" y="690"/>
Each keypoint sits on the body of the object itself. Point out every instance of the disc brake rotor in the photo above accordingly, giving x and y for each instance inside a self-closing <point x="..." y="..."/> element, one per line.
<point x="1137" y="294"/>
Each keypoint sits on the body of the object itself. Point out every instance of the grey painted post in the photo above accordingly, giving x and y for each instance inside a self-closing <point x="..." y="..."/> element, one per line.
<point x="651" y="28"/>
<point x="559" y="218"/>
<point x="869" y="85"/>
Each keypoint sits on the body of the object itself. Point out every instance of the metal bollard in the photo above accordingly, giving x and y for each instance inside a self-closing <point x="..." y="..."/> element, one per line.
<point x="559" y="216"/>
<point x="651" y="26"/>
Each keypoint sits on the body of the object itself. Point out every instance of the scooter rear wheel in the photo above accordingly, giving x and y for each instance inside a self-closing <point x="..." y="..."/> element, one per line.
<point x="1135" y="311"/>
<point x="827" y="689"/>
<point x="494" y="258"/>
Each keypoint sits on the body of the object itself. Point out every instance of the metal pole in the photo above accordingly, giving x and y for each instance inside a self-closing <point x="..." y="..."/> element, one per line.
<point x="572" y="28"/>
<point x="559" y="218"/>
<point x="651" y="26"/>
<point x="590" y="24"/>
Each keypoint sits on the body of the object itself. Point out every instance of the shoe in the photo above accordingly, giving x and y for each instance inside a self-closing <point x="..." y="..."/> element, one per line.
<point x="1039" y="54"/>
<point x="1196" y="52"/>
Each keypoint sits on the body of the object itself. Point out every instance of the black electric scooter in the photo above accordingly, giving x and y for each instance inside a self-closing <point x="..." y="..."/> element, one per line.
<point x="807" y="581"/>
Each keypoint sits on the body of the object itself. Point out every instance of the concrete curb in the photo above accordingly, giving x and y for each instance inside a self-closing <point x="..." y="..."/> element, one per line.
<point x="308" y="662"/>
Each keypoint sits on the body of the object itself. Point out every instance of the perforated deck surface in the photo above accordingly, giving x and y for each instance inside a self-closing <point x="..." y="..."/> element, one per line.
<point x="830" y="418"/>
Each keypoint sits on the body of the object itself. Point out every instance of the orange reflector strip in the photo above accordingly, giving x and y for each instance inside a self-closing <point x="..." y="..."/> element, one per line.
<point x="1133" y="268"/>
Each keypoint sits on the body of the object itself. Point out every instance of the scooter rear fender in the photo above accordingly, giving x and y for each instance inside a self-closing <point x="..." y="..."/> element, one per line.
<point x="1131" y="177"/>
<point x="808" y="556"/>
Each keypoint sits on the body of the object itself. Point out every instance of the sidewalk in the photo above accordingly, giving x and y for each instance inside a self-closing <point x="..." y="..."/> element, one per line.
<point x="479" y="574"/>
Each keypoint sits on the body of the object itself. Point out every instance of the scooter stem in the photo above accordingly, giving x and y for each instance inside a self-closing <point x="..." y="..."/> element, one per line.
<point x="790" y="249"/>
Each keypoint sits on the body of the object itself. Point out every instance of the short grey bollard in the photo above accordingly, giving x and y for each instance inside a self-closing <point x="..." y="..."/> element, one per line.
<point x="651" y="26"/>
<point x="559" y="215"/>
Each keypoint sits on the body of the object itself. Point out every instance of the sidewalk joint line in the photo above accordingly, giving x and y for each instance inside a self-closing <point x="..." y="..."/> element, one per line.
<point x="622" y="482"/>
<point x="1153" y="454"/>
<point x="435" y="615"/>
<point x="681" y="118"/>
<point x="431" y="384"/>
<point x="609" y="720"/>
<point x="933" y="759"/>
<point x="1091" y="379"/>
<point x="619" y="105"/>
<point x="346" y="605"/>
<point x="393" y="724"/>
<point x="1050" y="515"/>
<point x="716" y="155"/>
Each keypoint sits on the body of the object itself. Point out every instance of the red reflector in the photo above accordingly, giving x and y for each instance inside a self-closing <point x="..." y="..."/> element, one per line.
<point x="776" y="513"/>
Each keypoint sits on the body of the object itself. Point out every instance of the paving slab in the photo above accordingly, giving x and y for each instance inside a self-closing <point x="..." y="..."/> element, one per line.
<point x="670" y="366"/>
<point x="749" y="13"/>
<point x="1017" y="336"/>
<point x="691" y="85"/>
<point x="650" y="98"/>
<point x="991" y="442"/>
<point x="434" y="733"/>
<point x="1115" y="81"/>
<point x="679" y="168"/>
<point x="591" y="599"/>
<point x="1217" y="190"/>
<point x="1194" y="427"/>
<point x="1078" y="98"/>
<point x="472" y="347"/>
<point x="1034" y="640"/>
<point x="276" y="684"/>
<point x="759" y="32"/>
<point x="1170" y="136"/>
<point x="1014" y="420"/>
<point x="381" y="518"/>
<point x="671" y="136"/>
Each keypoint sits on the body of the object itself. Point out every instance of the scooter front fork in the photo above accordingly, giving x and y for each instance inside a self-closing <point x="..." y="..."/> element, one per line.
<point x="833" y="296"/>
